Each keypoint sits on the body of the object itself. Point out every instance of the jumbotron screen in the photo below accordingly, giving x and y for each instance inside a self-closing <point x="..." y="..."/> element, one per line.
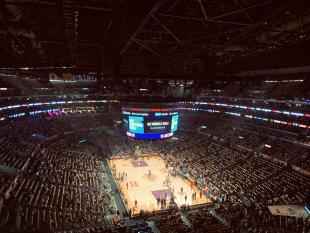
<point x="150" y="123"/>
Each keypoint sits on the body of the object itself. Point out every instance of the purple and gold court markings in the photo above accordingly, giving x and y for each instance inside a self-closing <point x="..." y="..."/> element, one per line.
<point x="134" y="184"/>
<point x="161" y="193"/>
<point x="139" y="163"/>
<point x="163" y="170"/>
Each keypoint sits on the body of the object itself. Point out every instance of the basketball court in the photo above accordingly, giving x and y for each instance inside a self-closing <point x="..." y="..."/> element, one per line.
<point x="146" y="181"/>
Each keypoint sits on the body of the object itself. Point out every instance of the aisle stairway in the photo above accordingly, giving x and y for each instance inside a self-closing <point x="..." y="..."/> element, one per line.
<point x="8" y="170"/>
<point x="186" y="220"/>
<point x="219" y="217"/>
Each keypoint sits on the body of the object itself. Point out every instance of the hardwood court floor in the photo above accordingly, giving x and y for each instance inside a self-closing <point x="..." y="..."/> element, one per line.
<point x="145" y="189"/>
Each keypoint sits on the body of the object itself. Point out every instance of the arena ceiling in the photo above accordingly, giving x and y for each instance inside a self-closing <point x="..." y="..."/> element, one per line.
<point x="139" y="36"/>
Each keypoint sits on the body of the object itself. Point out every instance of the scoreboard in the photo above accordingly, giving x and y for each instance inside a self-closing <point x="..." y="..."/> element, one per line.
<point x="150" y="123"/>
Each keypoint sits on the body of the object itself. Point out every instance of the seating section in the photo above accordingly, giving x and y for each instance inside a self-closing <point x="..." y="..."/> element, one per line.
<point x="203" y="221"/>
<point x="16" y="147"/>
<point x="65" y="186"/>
<point x="52" y="182"/>
<point x="257" y="218"/>
<point x="245" y="175"/>
<point x="242" y="137"/>
<point x="284" y="150"/>
<point x="305" y="164"/>
<point x="204" y="154"/>
<point x="171" y="223"/>
<point x="286" y="188"/>
<point x="70" y="188"/>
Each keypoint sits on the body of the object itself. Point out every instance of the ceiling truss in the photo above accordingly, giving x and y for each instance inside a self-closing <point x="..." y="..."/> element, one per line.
<point x="91" y="35"/>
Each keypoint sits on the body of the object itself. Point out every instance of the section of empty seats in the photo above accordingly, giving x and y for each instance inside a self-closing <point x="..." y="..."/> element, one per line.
<point x="64" y="188"/>
<point x="202" y="221"/>
<point x="284" y="150"/>
<point x="289" y="187"/>
<point x="171" y="223"/>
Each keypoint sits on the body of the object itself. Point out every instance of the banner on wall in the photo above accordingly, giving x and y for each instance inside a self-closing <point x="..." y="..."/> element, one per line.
<point x="297" y="211"/>
<point x="71" y="78"/>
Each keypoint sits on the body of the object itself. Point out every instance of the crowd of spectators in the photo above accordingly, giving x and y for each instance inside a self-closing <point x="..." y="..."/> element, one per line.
<point x="53" y="184"/>
<point x="59" y="184"/>
<point x="231" y="158"/>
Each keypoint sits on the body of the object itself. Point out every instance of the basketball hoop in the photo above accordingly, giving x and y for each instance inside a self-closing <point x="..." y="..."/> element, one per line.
<point x="167" y="182"/>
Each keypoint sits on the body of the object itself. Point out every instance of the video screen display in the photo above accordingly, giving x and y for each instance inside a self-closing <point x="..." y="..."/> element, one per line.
<point x="174" y="123"/>
<point x="150" y="124"/>
<point x="136" y="124"/>
<point x="157" y="125"/>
